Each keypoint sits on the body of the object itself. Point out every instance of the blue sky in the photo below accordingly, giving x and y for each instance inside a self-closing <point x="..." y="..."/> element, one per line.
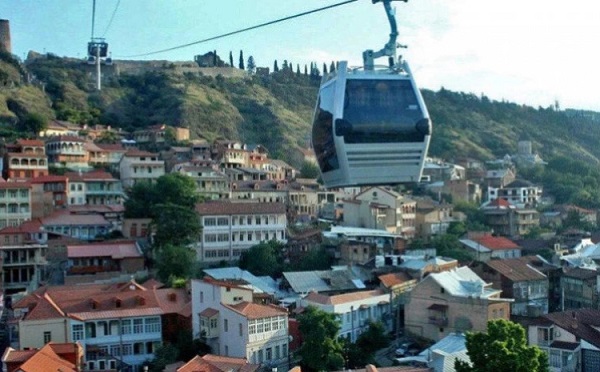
<point x="531" y="52"/>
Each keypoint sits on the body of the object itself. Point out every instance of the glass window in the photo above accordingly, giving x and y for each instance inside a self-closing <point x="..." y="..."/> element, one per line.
<point x="322" y="131"/>
<point x="378" y="111"/>
<point x="152" y="325"/>
<point x="77" y="332"/>
<point x="138" y="326"/>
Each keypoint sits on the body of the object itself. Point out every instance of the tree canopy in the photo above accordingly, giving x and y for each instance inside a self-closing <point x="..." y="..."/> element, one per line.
<point x="263" y="259"/>
<point x="321" y="350"/>
<point x="502" y="348"/>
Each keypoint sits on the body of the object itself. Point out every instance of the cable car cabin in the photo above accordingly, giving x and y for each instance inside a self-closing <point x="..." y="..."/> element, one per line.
<point x="370" y="127"/>
<point x="98" y="49"/>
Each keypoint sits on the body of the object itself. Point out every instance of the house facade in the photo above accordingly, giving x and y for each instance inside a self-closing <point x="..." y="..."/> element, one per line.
<point x="25" y="159"/>
<point x="140" y="166"/>
<point x="353" y="310"/>
<point x="225" y="317"/>
<point x="229" y="228"/>
<point x="570" y="338"/>
<point x="15" y="203"/>
<point x="520" y="281"/>
<point x="453" y="301"/>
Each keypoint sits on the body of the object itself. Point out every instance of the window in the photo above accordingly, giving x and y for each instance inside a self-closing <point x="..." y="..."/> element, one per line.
<point x="226" y="325"/>
<point x="210" y="222"/>
<point x="126" y="326"/>
<point x="222" y="221"/>
<point x="241" y="327"/>
<point x="138" y="326"/>
<point x="152" y="325"/>
<point x="77" y="332"/>
<point x="47" y="337"/>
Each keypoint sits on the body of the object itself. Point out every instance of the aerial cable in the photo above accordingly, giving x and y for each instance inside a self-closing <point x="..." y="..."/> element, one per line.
<point x="242" y="30"/>
<point x="111" y="18"/>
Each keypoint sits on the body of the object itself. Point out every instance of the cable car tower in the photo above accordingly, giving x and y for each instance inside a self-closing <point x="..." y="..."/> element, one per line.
<point x="371" y="125"/>
<point x="97" y="51"/>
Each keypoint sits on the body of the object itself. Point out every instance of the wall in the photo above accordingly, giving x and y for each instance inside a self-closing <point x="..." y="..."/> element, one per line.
<point x="31" y="332"/>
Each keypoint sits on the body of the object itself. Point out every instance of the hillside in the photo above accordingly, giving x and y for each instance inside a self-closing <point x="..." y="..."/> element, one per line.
<point x="273" y="110"/>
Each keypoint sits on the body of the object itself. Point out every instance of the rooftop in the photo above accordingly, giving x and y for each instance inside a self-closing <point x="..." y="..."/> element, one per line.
<point x="230" y="208"/>
<point x="116" y="250"/>
<point x="256" y="311"/>
<point x="516" y="270"/>
<point x="343" y="298"/>
<point x="463" y="282"/>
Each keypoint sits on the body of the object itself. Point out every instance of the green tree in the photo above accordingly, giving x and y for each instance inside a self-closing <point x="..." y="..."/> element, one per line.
<point x="263" y="259"/>
<point x="242" y="60"/>
<point x="502" y="348"/>
<point x="108" y="136"/>
<point x="230" y="58"/>
<point x="164" y="355"/>
<point x="275" y="66"/>
<point x="141" y="199"/>
<point x="373" y="339"/>
<point x="315" y="259"/>
<point x="177" y="188"/>
<point x="309" y="170"/>
<point x="175" y="224"/>
<point x="448" y="245"/>
<point x="251" y="65"/>
<point x="321" y="349"/>
<point x="33" y="123"/>
<point x="175" y="261"/>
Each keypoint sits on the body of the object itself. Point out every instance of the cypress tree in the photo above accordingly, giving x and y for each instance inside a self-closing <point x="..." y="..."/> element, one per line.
<point x="215" y="58"/>
<point x="242" y="60"/>
<point x="275" y="67"/>
<point x="305" y="70"/>
<point x="230" y="58"/>
<point x="332" y="67"/>
<point x="324" y="68"/>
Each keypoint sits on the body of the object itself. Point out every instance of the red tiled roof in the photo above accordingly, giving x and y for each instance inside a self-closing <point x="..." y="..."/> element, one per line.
<point x="392" y="279"/>
<point x="65" y="217"/>
<point x="91" y="301"/>
<point x="46" y="359"/>
<point x="500" y="203"/>
<point x="88" y="176"/>
<point x="172" y="300"/>
<point x="32" y="226"/>
<point x="342" y="298"/>
<point x="209" y="312"/>
<point x="15" y="185"/>
<point x="49" y="178"/>
<point x="255" y="311"/>
<point x="496" y="243"/>
<point x="230" y="208"/>
<point x="116" y="250"/>
<point x="216" y="363"/>
<point x="153" y="283"/>
<point x="30" y="142"/>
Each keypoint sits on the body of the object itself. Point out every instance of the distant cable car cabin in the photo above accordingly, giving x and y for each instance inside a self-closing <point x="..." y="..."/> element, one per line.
<point x="98" y="49"/>
<point x="371" y="125"/>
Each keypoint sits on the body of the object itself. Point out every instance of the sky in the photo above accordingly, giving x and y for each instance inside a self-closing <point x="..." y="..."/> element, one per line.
<point x="530" y="52"/>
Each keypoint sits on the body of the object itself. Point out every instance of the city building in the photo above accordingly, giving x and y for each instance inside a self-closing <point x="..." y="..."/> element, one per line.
<point x="229" y="228"/>
<point x="570" y="338"/>
<point x="23" y="262"/>
<point x="520" y="193"/>
<point x="64" y="357"/>
<point x="484" y="247"/>
<point x="353" y="310"/>
<point x="507" y="220"/>
<point x="217" y="363"/>
<point x="453" y="301"/>
<point x="519" y="280"/>
<point x="67" y="152"/>
<point x="25" y="159"/>
<point x="15" y="203"/>
<point x="226" y="318"/>
<point x="119" y="326"/>
<point x="94" y="188"/>
<point x="140" y="166"/>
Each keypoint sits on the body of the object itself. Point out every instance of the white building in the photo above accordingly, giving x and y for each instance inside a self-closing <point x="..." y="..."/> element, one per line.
<point x="519" y="193"/>
<point x="229" y="228"/>
<point x="136" y="166"/>
<point x="354" y="310"/>
<point x="225" y="317"/>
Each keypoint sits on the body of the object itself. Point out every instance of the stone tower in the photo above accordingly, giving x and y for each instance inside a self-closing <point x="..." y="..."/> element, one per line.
<point x="5" y="35"/>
